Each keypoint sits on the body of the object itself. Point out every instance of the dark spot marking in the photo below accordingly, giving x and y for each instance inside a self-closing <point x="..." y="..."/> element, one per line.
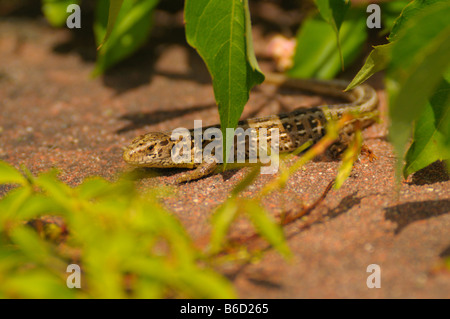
<point x="287" y="125"/>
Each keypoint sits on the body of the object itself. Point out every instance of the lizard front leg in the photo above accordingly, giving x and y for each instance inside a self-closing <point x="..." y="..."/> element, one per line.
<point x="205" y="169"/>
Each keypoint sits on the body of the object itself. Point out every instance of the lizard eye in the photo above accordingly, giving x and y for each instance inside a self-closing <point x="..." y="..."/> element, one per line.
<point x="150" y="148"/>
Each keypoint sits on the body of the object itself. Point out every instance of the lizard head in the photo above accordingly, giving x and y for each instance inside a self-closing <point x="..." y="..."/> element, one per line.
<point x="150" y="150"/>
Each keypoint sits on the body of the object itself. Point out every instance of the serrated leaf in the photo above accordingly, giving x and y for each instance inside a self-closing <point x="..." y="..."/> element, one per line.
<point x="267" y="228"/>
<point x="390" y="12"/>
<point x="377" y="60"/>
<point x="10" y="175"/>
<point x="430" y="133"/>
<point x="316" y="53"/>
<point x="408" y="13"/>
<point x="221" y="33"/>
<point x="419" y="59"/>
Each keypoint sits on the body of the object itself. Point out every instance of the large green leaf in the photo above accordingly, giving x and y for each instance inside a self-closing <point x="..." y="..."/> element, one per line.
<point x="380" y="56"/>
<point x="391" y="10"/>
<point x="317" y="55"/>
<point x="419" y="60"/>
<point x="221" y="33"/>
<point x="119" y="34"/>
<point x="377" y="60"/>
<point x="408" y="13"/>
<point x="431" y="132"/>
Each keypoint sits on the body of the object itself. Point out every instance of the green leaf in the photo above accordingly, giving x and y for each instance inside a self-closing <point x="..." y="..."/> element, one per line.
<point x="419" y="59"/>
<point x="132" y="25"/>
<point x="408" y="13"/>
<point x="170" y="228"/>
<point x="11" y="203"/>
<point x="377" y="60"/>
<point x="430" y="133"/>
<point x="333" y="12"/>
<point x="93" y="188"/>
<point x="9" y="175"/>
<point x="350" y="156"/>
<point x="221" y="33"/>
<point x="267" y="228"/>
<point x="38" y="205"/>
<point x="206" y="284"/>
<point x="56" y="189"/>
<point x="390" y="12"/>
<point x="113" y="12"/>
<point x="379" y="57"/>
<point x="254" y="74"/>
<point x="316" y="53"/>
<point x="37" y="250"/>
<point x="246" y="181"/>
<point x="55" y="11"/>
<point x="221" y="222"/>
<point x="37" y="284"/>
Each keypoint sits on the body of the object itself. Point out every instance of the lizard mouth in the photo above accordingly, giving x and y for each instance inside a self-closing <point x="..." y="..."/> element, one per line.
<point x="130" y="156"/>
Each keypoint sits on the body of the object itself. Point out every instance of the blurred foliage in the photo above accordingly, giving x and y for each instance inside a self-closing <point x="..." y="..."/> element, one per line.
<point x="55" y="11"/>
<point x="126" y="244"/>
<point x="318" y="53"/>
<point x="132" y="21"/>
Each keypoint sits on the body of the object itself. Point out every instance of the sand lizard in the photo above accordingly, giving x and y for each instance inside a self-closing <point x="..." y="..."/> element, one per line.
<point x="295" y="128"/>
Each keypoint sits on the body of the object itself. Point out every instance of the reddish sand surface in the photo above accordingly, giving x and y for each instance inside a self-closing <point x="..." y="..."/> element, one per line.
<point x="52" y="114"/>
